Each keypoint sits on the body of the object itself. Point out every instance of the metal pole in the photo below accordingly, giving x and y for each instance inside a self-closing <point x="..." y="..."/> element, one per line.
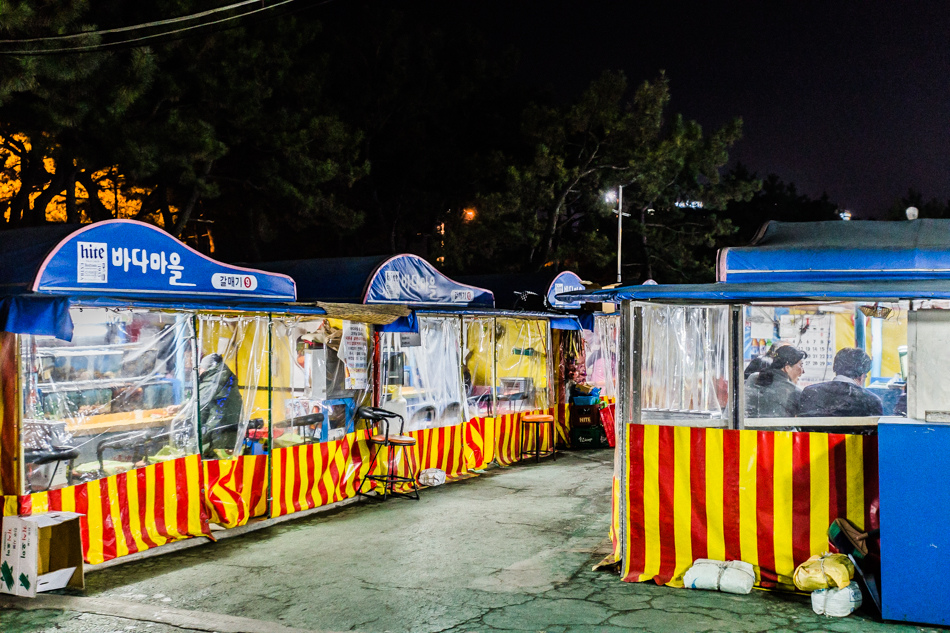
<point x="619" y="229"/>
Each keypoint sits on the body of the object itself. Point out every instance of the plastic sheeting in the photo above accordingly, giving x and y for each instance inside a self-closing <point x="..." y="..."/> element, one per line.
<point x="232" y="370"/>
<point x="522" y="365"/>
<point x="478" y="367"/>
<point x="601" y="347"/>
<point x="320" y="366"/>
<point x="120" y="395"/>
<point x="685" y="371"/>
<point x="421" y="375"/>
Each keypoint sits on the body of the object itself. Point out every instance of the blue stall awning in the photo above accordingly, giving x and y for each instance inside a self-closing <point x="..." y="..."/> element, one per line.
<point x="840" y="251"/>
<point x="530" y="291"/>
<point x="889" y="290"/>
<point x="384" y="279"/>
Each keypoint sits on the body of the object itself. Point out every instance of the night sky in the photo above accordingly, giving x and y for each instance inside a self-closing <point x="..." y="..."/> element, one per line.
<point x="848" y="98"/>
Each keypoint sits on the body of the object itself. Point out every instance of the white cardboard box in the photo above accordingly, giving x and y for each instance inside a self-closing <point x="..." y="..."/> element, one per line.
<point x="41" y="552"/>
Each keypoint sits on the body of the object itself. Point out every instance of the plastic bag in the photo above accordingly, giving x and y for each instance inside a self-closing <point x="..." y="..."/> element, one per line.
<point x="432" y="477"/>
<point x="824" y="572"/>
<point x="837" y="602"/>
<point x="734" y="576"/>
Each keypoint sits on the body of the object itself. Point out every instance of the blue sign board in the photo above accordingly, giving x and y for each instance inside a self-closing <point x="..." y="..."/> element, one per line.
<point x="411" y="279"/>
<point x="564" y="282"/>
<point x="129" y="258"/>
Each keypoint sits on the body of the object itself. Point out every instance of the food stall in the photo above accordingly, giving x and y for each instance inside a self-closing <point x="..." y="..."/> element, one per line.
<point x="134" y="371"/>
<point x="701" y="473"/>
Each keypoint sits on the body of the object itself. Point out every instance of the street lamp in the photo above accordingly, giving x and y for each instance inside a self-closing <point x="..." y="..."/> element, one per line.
<point x="617" y="197"/>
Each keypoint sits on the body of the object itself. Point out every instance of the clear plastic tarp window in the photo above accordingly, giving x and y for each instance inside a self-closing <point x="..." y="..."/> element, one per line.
<point x="478" y="367"/>
<point x="600" y="353"/>
<point x="421" y="373"/>
<point x="321" y="374"/>
<point x="522" y="365"/>
<point x="833" y="360"/>
<point x="120" y="395"/>
<point x="685" y="371"/>
<point x="233" y="376"/>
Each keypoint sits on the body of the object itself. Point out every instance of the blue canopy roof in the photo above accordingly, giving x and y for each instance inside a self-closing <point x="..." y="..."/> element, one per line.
<point x="888" y="290"/>
<point x="535" y="291"/>
<point x="381" y="279"/>
<point x="44" y="268"/>
<point x="841" y="251"/>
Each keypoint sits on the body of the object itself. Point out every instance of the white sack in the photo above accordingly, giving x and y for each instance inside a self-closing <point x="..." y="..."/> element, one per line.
<point x="836" y="602"/>
<point x="732" y="576"/>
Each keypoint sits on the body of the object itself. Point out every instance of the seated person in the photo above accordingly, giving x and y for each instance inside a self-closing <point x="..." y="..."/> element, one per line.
<point x="844" y="396"/>
<point x="759" y="363"/>
<point x="773" y="392"/>
<point x="219" y="407"/>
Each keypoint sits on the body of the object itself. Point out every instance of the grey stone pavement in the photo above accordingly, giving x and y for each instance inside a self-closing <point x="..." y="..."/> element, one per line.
<point x="509" y="551"/>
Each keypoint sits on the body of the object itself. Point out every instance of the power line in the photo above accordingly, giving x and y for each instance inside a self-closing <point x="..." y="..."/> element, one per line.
<point x="98" y="47"/>
<point x="136" y="27"/>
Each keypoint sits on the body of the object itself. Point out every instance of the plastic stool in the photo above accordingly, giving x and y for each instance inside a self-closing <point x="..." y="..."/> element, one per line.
<point x="538" y="420"/>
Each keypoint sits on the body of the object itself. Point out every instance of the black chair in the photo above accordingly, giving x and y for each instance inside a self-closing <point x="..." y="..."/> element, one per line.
<point x="389" y="480"/>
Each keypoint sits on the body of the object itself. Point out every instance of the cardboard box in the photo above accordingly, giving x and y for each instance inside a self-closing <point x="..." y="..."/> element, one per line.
<point x="41" y="552"/>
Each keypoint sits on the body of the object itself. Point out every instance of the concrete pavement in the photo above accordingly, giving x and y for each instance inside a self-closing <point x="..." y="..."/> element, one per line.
<point x="508" y="551"/>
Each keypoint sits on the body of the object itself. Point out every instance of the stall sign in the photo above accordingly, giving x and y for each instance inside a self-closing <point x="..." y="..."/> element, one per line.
<point x="411" y="279"/>
<point x="564" y="282"/>
<point x="133" y="258"/>
<point x="354" y="351"/>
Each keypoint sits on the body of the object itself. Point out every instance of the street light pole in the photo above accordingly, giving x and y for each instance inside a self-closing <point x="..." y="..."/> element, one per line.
<point x="619" y="230"/>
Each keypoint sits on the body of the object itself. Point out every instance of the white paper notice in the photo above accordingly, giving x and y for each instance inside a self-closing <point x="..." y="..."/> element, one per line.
<point x="354" y="351"/>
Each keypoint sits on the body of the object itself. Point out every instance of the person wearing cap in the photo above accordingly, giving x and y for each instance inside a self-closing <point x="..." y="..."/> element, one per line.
<point x="845" y="396"/>
<point x="773" y="392"/>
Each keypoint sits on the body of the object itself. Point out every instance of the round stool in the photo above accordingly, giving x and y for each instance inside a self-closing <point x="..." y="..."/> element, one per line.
<point x="537" y="420"/>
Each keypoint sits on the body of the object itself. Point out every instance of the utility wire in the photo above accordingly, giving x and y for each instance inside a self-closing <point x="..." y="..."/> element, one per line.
<point x="135" y="27"/>
<point x="98" y="47"/>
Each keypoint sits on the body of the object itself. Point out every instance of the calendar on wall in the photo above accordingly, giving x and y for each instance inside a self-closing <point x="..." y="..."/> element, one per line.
<point x="814" y="334"/>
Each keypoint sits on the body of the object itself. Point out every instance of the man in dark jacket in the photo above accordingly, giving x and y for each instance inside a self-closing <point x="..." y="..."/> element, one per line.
<point x="220" y="405"/>
<point x="844" y="396"/>
<point x="772" y="392"/>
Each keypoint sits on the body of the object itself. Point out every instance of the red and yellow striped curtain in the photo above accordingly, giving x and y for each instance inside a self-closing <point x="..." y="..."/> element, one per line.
<point x="235" y="489"/>
<point x="763" y="497"/>
<point x="479" y="443"/>
<point x="313" y="475"/>
<point x="129" y="512"/>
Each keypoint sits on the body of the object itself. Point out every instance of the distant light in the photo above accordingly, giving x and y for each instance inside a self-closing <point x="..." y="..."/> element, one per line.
<point x="468" y="214"/>
<point x="688" y="204"/>
<point x="845" y="215"/>
<point x="610" y="196"/>
<point x="912" y="213"/>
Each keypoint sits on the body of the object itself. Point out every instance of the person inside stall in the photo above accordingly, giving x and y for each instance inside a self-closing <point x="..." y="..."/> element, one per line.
<point x="760" y="363"/>
<point x="844" y="396"/>
<point x="220" y="405"/>
<point x="773" y="392"/>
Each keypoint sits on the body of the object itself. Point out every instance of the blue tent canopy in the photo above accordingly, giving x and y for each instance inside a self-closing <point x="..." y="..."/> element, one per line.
<point x="888" y="290"/>
<point x="531" y="291"/>
<point x="399" y="279"/>
<point x="44" y="268"/>
<point x="840" y="251"/>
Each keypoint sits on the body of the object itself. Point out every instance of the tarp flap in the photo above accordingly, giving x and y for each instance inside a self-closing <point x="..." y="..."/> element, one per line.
<point x="587" y="322"/>
<point x="402" y="324"/>
<point x="565" y="323"/>
<point x="129" y="258"/>
<point x="838" y="251"/>
<point x="36" y="314"/>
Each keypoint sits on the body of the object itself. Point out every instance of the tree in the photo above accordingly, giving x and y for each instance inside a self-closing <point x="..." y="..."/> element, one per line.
<point x="544" y="205"/>
<point x="932" y="208"/>
<point x="227" y="126"/>
<point x="776" y="200"/>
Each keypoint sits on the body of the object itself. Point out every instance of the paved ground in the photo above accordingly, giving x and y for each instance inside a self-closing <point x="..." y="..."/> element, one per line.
<point x="510" y="551"/>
